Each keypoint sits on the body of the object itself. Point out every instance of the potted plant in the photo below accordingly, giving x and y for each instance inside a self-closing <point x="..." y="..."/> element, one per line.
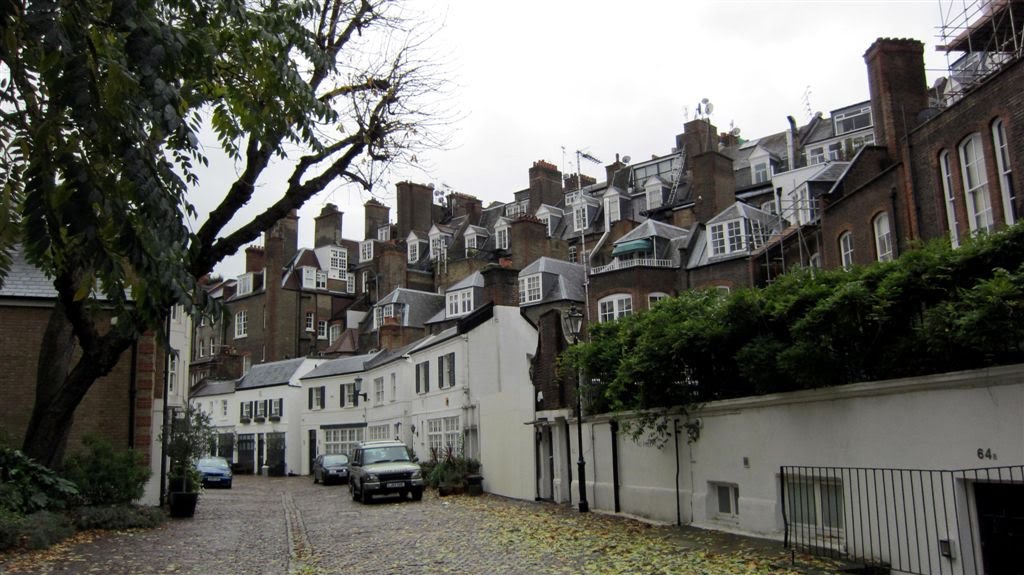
<point x="188" y="438"/>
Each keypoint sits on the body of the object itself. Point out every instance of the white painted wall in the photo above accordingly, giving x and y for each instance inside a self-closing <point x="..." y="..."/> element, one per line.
<point x="500" y="387"/>
<point x="934" y="422"/>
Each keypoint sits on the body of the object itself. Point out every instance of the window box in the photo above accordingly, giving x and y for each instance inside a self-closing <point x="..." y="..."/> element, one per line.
<point x="275" y="418"/>
<point x="260" y="419"/>
<point x="244" y="420"/>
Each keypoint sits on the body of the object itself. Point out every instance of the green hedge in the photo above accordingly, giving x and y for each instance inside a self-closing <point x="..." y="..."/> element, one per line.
<point x="933" y="310"/>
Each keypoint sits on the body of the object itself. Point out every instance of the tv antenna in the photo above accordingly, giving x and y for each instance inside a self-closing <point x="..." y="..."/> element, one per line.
<point x="704" y="109"/>
<point x="579" y="173"/>
<point x="806" y="99"/>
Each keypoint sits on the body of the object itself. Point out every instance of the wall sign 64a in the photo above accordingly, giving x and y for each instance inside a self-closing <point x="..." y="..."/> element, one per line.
<point x="984" y="453"/>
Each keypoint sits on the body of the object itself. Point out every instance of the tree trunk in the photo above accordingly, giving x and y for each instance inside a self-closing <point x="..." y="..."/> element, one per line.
<point x="60" y="388"/>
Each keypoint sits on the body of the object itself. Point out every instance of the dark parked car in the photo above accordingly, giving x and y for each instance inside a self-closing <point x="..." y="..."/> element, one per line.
<point x="328" y="469"/>
<point x="382" y="467"/>
<point x="215" y="471"/>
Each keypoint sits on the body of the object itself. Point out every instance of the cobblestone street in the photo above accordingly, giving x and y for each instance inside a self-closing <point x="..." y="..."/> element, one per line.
<point x="291" y="526"/>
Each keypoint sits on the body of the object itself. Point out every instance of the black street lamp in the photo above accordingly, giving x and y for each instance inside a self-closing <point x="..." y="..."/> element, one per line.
<point x="358" y="389"/>
<point x="573" y="324"/>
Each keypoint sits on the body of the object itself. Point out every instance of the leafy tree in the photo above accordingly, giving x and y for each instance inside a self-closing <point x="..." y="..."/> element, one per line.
<point x="104" y="103"/>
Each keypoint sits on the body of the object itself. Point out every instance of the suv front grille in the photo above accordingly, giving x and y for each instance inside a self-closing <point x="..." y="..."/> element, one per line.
<point x="394" y="476"/>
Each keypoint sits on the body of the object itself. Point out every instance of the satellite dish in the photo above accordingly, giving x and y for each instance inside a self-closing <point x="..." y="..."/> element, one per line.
<point x="708" y="108"/>
<point x="734" y="132"/>
<point x="704" y="101"/>
<point x="626" y="159"/>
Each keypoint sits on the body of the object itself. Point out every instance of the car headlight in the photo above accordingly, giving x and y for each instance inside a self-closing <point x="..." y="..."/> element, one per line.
<point x="418" y="474"/>
<point x="372" y="478"/>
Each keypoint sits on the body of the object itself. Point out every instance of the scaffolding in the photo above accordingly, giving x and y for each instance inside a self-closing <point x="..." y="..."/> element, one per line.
<point x="979" y="37"/>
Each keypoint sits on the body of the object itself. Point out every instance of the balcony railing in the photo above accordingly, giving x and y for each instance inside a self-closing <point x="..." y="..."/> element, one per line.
<point x="633" y="263"/>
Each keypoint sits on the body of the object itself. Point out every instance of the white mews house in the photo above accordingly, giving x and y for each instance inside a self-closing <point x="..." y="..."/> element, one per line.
<point x="266" y="408"/>
<point x="467" y="388"/>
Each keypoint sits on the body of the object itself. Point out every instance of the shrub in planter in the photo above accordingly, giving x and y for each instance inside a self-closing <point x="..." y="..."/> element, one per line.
<point x="106" y="476"/>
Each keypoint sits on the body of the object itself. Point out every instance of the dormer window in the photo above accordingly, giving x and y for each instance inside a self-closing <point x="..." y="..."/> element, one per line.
<point x="366" y="251"/>
<point x="529" y="289"/>
<point x="313" y="278"/>
<point x="459" y="302"/>
<point x="501" y="238"/>
<point x="414" y="252"/>
<point x="338" y="263"/>
<point x="613" y="208"/>
<point x="438" y="246"/>
<point x="244" y="284"/>
<point x="580" y="218"/>
<point x="655" y="193"/>
<point x="852" y="120"/>
<point x="384" y="233"/>
<point x="727" y="237"/>
<point x="573" y="198"/>
<point x="470" y="245"/>
<point x="760" y="172"/>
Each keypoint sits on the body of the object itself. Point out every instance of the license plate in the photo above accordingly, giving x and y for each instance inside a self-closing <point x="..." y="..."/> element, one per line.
<point x="394" y="484"/>
<point x="214" y="478"/>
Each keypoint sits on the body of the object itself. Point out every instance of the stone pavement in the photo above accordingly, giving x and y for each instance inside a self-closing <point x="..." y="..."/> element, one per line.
<point x="285" y="526"/>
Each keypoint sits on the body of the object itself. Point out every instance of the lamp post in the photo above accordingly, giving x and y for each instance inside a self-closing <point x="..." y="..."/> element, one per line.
<point x="358" y="387"/>
<point x="573" y="324"/>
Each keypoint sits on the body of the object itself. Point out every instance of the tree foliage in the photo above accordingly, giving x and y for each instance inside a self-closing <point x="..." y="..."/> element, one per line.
<point x="934" y="310"/>
<point x="105" y="104"/>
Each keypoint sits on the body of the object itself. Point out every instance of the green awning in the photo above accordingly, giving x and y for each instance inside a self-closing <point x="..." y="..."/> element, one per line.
<point x="631" y="246"/>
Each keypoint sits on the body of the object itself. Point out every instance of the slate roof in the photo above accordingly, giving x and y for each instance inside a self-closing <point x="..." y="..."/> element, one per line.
<point x="475" y="279"/>
<point x="420" y="306"/>
<point x="214" y="387"/>
<point x="26" y="280"/>
<point x="568" y="284"/>
<point x="340" y="366"/>
<point x="267" y="374"/>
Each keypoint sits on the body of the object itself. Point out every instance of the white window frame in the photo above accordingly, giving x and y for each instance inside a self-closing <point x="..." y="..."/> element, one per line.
<point x="572" y="254"/>
<point x="613" y="208"/>
<point x="342" y="441"/>
<point x="413" y="251"/>
<point x="446" y="370"/>
<point x="470" y="244"/>
<point x="580" y="218"/>
<point x="530" y="289"/>
<point x="223" y="408"/>
<point x="727" y="501"/>
<point x="172" y="372"/>
<point x="365" y="251"/>
<point x="378" y="391"/>
<point x="453" y="304"/>
<point x="309" y="277"/>
<point x="816" y="155"/>
<point x="274" y="407"/>
<point x="727" y="237"/>
<point x="321" y="329"/>
<point x="244" y="284"/>
<point x="384" y="233"/>
<point x="241" y="324"/>
<point x="338" y="262"/>
<point x="321" y="279"/>
<point x="614" y="307"/>
<point x="655" y="297"/>
<point x="394" y="386"/>
<point x="761" y="172"/>
<point x="423" y="377"/>
<point x="366" y="275"/>
<point x="1004" y="169"/>
<point x="846" y="249"/>
<point x="806" y="508"/>
<point x="378" y="432"/>
<point x="838" y="119"/>
<point x="444" y="432"/>
<point x="946" y="175"/>
<point x="310" y="321"/>
<point x="350" y="282"/>
<point x="883" y="237"/>
<point x="975" y="178"/>
<point x="501" y="238"/>
<point x="319" y="399"/>
<point x="333" y="333"/>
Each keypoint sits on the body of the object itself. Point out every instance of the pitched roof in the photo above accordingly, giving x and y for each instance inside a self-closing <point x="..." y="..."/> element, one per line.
<point x="25" y="279"/>
<point x="340" y="366"/>
<point x="274" y="373"/>
<point x="212" y="387"/>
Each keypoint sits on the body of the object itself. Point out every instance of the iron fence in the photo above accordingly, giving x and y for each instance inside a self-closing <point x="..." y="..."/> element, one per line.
<point x="908" y="520"/>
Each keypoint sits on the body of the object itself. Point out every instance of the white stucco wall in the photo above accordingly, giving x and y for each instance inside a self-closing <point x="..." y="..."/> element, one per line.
<point x="935" y="423"/>
<point x="500" y="386"/>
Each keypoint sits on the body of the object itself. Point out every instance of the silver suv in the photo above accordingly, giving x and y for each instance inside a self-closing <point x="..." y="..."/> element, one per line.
<point x="379" y="467"/>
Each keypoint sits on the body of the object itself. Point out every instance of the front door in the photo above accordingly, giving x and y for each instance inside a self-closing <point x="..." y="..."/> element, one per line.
<point x="1001" y="526"/>
<point x="312" y="449"/>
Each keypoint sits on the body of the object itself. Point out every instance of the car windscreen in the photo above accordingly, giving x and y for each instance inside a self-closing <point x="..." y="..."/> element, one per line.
<point x="385" y="454"/>
<point x="220" y="463"/>
<point x="335" y="459"/>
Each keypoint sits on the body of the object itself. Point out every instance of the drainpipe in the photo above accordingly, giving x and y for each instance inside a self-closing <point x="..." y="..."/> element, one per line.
<point x="679" y="512"/>
<point x="614" y="425"/>
<point x="163" y="423"/>
<point x="568" y="456"/>
<point x="132" y="392"/>
<point x="895" y="224"/>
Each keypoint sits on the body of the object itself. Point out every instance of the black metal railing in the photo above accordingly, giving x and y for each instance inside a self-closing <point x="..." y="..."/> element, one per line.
<point x="909" y="520"/>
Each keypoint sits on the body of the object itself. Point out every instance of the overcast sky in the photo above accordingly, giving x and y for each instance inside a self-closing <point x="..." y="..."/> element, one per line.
<point x="532" y="77"/>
